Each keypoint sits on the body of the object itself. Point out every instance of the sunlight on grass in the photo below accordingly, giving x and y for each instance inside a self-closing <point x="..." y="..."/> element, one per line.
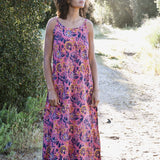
<point x="150" y="50"/>
<point x="101" y="31"/>
<point x="142" y="43"/>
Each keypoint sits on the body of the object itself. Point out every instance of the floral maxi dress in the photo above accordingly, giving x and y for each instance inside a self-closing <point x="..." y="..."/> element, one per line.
<point x="70" y="130"/>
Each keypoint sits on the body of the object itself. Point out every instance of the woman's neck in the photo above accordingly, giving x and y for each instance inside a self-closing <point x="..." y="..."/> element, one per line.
<point x="73" y="14"/>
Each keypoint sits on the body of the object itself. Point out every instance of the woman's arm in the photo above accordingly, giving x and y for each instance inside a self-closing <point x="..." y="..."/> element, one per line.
<point x="48" y="45"/>
<point x="48" y="54"/>
<point x="93" y="64"/>
<point x="92" y="58"/>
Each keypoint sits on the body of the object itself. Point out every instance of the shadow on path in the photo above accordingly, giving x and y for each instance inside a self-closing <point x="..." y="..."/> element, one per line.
<point x="117" y="89"/>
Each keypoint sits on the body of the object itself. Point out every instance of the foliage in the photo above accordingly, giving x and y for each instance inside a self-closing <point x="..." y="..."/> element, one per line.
<point x="101" y="12"/>
<point x="21" y="51"/>
<point x="121" y="13"/>
<point x="149" y="55"/>
<point x="154" y="38"/>
<point x="151" y="31"/>
<point x="90" y="11"/>
<point x="124" y="13"/>
<point x="50" y="12"/>
<point x="142" y="9"/>
<point x="17" y="129"/>
<point x="158" y="4"/>
<point x="100" y="31"/>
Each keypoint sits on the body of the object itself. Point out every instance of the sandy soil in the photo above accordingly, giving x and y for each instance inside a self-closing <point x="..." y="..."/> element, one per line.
<point x="129" y="98"/>
<point x="131" y="101"/>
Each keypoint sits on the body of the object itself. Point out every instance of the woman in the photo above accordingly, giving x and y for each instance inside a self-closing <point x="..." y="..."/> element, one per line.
<point x="70" y="116"/>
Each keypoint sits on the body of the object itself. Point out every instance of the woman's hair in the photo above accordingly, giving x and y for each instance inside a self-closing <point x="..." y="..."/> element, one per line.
<point x="63" y="8"/>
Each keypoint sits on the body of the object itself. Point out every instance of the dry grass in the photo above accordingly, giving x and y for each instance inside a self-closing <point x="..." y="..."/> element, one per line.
<point x="144" y="41"/>
<point x="150" y="49"/>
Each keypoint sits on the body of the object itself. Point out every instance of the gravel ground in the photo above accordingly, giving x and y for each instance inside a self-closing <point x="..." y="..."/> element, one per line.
<point x="131" y="101"/>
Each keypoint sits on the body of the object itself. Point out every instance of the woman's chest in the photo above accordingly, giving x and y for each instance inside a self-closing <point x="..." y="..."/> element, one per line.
<point x="76" y="36"/>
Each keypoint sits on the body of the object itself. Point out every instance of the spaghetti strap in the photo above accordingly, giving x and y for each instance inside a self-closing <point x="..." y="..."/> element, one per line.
<point x="85" y="24"/>
<point x="55" y="25"/>
<point x="57" y="19"/>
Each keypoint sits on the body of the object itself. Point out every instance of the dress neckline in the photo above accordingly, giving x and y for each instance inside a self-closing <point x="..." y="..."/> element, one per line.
<point x="69" y="28"/>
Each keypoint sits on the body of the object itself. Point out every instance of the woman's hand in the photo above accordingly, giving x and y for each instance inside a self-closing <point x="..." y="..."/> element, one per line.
<point x="95" y="98"/>
<point x="53" y="98"/>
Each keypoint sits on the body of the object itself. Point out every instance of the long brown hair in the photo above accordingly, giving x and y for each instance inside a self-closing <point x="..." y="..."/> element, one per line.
<point x="63" y="7"/>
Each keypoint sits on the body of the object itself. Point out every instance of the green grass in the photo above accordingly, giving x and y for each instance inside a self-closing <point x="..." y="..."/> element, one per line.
<point x="22" y="129"/>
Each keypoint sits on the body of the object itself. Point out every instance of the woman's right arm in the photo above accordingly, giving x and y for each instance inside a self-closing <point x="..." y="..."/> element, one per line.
<point x="48" y="45"/>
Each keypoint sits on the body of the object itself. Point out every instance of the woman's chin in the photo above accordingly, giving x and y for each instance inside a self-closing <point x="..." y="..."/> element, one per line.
<point x="81" y="6"/>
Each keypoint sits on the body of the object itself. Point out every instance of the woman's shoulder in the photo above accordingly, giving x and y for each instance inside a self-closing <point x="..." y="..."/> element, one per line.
<point x="89" y="21"/>
<point x="51" y="23"/>
<point x="52" y="20"/>
<point x="89" y="24"/>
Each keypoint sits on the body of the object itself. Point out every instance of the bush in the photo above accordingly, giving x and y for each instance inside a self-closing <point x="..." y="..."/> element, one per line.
<point x="142" y="9"/>
<point x="154" y="37"/>
<point x="89" y="13"/>
<point x="21" y="52"/>
<point x="49" y="12"/>
<point x="149" y="55"/>
<point x="100" y="12"/>
<point x="124" y="13"/>
<point x="121" y="13"/>
<point x="158" y="4"/>
<point x="18" y="129"/>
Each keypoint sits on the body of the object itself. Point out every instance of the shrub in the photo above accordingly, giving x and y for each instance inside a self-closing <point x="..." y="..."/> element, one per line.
<point x="121" y="13"/>
<point x="158" y="4"/>
<point x="100" y="12"/>
<point x="18" y="130"/>
<point x="21" y="52"/>
<point x="49" y="12"/>
<point x="142" y="9"/>
<point x="154" y="37"/>
<point x="149" y="55"/>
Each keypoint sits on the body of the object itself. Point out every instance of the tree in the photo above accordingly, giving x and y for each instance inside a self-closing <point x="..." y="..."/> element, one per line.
<point x="158" y="4"/>
<point x="121" y="12"/>
<point x="142" y="9"/>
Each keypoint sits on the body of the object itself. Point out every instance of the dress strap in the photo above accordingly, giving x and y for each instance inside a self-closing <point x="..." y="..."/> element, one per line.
<point x="56" y="18"/>
<point x="54" y="30"/>
<point x="85" y="23"/>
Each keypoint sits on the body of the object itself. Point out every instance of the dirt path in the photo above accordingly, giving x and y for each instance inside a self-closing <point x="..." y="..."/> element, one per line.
<point x="131" y="101"/>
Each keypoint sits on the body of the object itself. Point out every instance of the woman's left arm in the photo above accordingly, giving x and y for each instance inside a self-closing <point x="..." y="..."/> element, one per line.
<point x="93" y="64"/>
